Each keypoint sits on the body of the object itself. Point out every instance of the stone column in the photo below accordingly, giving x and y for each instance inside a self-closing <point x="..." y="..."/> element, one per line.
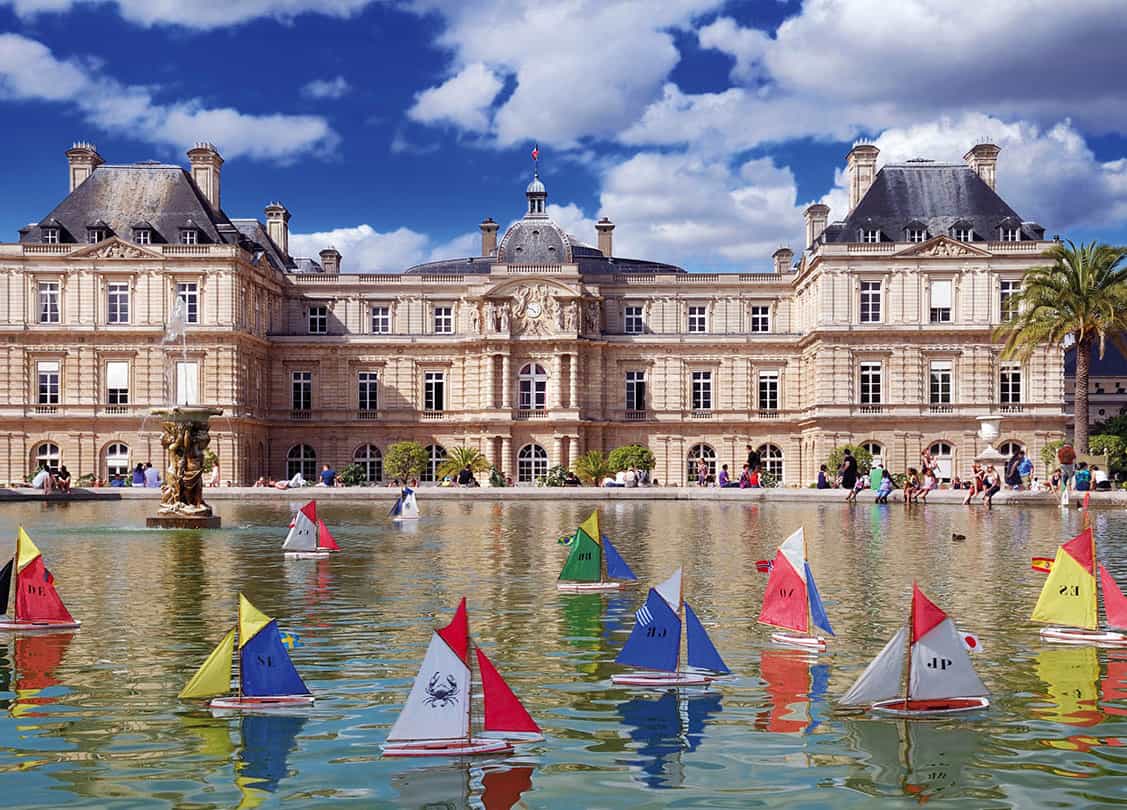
<point x="573" y="382"/>
<point x="506" y="466"/>
<point x="557" y="451"/>
<point x="555" y="389"/>
<point x="506" y="382"/>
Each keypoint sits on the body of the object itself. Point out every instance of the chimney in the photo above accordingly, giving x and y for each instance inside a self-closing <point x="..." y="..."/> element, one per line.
<point x="83" y="159"/>
<point x="816" y="216"/>
<point x="488" y="237"/>
<point x="330" y="260"/>
<point x="278" y="226"/>
<point x="606" y="236"/>
<point x="860" y="169"/>
<point x="783" y="258"/>
<point x="206" y="163"/>
<point x="983" y="158"/>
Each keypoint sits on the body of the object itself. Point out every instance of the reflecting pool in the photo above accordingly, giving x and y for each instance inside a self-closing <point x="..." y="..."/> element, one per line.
<point x="91" y="719"/>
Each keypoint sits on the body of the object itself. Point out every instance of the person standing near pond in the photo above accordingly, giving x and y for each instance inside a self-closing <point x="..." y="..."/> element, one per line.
<point x="848" y="471"/>
<point x="1066" y="457"/>
<point x="876" y="475"/>
<point x="753" y="460"/>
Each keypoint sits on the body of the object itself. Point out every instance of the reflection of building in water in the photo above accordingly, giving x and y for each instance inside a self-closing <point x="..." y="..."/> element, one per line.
<point x="665" y="729"/>
<point x="35" y="657"/>
<point x="796" y="686"/>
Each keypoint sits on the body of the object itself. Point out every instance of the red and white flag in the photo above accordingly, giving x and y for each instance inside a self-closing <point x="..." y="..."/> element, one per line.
<point x="536" y="152"/>
<point x="971" y="642"/>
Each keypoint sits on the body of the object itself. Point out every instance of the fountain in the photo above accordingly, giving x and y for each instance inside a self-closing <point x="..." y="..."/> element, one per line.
<point x="989" y="428"/>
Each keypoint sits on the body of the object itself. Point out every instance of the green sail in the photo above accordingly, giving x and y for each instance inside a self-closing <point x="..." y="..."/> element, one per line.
<point x="585" y="563"/>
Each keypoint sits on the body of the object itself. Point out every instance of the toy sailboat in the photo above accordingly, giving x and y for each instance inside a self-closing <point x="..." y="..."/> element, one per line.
<point x="406" y="507"/>
<point x="655" y="642"/>
<point x="791" y="600"/>
<point x="1070" y="597"/>
<point x="38" y="605"/>
<point x="941" y="679"/>
<point x="309" y="537"/>
<point x="438" y="718"/>
<point x="594" y="564"/>
<point x="267" y="678"/>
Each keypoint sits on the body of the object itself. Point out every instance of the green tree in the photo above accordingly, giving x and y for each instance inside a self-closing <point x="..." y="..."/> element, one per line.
<point x="458" y="458"/>
<point x="352" y="475"/>
<point x="1082" y="295"/>
<point x="592" y="467"/>
<point x="631" y="456"/>
<point x="1112" y="446"/>
<point x="863" y="456"/>
<point x="1049" y="454"/>
<point x="405" y="460"/>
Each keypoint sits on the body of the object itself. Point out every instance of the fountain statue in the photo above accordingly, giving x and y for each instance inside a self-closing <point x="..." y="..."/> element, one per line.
<point x="988" y="431"/>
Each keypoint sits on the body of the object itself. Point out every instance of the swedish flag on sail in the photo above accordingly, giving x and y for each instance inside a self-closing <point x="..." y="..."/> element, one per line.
<point x="291" y="640"/>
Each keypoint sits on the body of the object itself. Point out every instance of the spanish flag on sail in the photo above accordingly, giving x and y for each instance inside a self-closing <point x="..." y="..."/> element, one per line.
<point x="1069" y="594"/>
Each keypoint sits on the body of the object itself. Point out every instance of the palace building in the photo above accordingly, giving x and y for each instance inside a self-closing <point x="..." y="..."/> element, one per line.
<point x="544" y="346"/>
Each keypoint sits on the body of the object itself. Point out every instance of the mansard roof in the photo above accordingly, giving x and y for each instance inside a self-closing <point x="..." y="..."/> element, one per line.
<point x="589" y="260"/>
<point x="938" y="195"/>
<point x="253" y="237"/>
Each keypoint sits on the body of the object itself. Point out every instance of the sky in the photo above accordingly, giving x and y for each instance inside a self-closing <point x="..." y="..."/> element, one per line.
<point x="702" y="128"/>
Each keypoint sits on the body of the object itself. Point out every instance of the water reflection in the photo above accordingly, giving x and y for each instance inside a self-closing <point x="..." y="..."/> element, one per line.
<point x="454" y="786"/>
<point x="796" y="686"/>
<point x="665" y="729"/>
<point x="34" y="659"/>
<point x="267" y="742"/>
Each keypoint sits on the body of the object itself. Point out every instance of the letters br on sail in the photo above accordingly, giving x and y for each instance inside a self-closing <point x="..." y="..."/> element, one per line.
<point x="37" y="604"/>
<point x="593" y="563"/>
<point x="791" y="600"/>
<point x="1069" y="598"/>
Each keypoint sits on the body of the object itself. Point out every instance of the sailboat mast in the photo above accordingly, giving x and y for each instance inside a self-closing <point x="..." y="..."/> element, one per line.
<point x="908" y="652"/>
<point x="1095" y="571"/>
<point x="681" y="619"/>
<point x="469" y="690"/>
<point x="806" y="576"/>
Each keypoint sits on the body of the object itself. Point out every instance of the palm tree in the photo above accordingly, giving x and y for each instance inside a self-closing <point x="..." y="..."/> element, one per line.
<point x="1082" y="295"/>
<point x="461" y="457"/>
<point x="592" y="467"/>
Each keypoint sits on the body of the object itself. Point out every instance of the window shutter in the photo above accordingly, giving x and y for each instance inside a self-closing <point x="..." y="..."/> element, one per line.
<point x="941" y="294"/>
<point x="187" y="384"/>
<point x="117" y="375"/>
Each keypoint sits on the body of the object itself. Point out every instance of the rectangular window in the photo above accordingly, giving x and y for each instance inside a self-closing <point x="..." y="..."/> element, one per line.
<point x="698" y="320"/>
<point x="189" y="293"/>
<point x="940" y="382"/>
<point x="633" y="321"/>
<point x="870" y="235"/>
<point x="963" y="234"/>
<point x="1011" y="234"/>
<point x="117" y="383"/>
<point x="50" y="236"/>
<point x="917" y="235"/>
<point x="941" y="298"/>
<point x="1007" y="289"/>
<point x="368" y="389"/>
<point x="870" y="302"/>
<point x="434" y="391"/>
<point x="870" y="383"/>
<point x="381" y="320"/>
<point x="635" y="390"/>
<point x="768" y="390"/>
<point x="48" y="382"/>
<point x="95" y="235"/>
<point x="444" y="320"/>
<point x="302" y="396"/>
<point x="760" y="319"/>
<point x="702" y="390"/>
<point x="319" y="320"/>
<point x="188" y="237"/>
<point x="187" y="383"/>
<point x="117" y="302"/>
<point x="48" y="302"/>
<point x="143" y="236"/>
<point x="1010" y="384"/>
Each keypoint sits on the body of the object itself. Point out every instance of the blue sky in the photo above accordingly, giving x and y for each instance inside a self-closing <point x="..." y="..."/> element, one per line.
<point x="701" y="127"/>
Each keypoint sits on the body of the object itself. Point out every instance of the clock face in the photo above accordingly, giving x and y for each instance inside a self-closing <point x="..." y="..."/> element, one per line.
<point x="534" y="309"/>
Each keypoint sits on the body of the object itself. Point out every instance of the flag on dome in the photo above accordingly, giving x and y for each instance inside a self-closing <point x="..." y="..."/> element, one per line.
<point x="536" y="152"/>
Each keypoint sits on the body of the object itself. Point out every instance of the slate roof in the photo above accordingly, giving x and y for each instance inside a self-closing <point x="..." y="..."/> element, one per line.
<point x="253" y="237"/>
<point x="939" y="195"/>
<point x="1113" y="363"/>
<point x="590" y="261"/>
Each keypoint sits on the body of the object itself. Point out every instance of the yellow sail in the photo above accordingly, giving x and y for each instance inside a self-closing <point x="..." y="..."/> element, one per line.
<point x="1069" y="595"/>
<point x="26" y="551"/>
<point x="251" y="620"/>
<point x="591" y="527"/>
<point x="214" y="675"/>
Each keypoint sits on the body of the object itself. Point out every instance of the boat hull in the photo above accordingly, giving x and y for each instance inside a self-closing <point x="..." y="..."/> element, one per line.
<point x="477" y="746"/>
<point x="307" y="555"/>
<point x="403" y="519"/>
<point x="512" y="737"/>
<point x="589" y="587"/>
<point x="1075" y="635"/>
<point x="661" y="679"/>
<point x="244" y="703"/>
<point x="899" y="707"/>
<point x="795" y="641"/>
<point x="36" y="627"/>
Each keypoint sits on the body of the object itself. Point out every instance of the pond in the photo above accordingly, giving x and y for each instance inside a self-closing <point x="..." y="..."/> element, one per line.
<point x="91" y="719"/>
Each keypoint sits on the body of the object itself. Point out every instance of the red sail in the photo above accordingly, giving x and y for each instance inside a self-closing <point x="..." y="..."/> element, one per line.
<point x="324" y="539"/>
<point x="785" y="603"/>
<point x="503" y="710"/>
<point x="926" y="614"/>
<point x="36" y="597"/>
<point x="457" y="633"/>
<point x="1115" y="603"/>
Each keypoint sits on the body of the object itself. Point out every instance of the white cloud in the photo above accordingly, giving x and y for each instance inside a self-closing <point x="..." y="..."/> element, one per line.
<point x="336" y="87"/>
<point x="462" y="100"/>
<point x="364" y="249"/>
<point x="199" y="14"/>
<point x="29" y="71"/>
<point x="746" y="45"/>
<point x="574" y="222"/>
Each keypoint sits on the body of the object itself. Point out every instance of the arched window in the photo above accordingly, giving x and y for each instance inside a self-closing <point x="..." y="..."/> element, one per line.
<point x="48" y="454"/>
<point x="370" y="460"/>
<point x="117" y="459"/>
<point x="942" y="454"/>
<point x="302" y="459"/>
<point x="1007" y="449"/>
<point x="533" y="388"/>
<point x="532" y="463"/>
<point x="696" y="454"/>
<point x="436" y="454"/>
<point x="876" y="451"/>
<point x="771" y="461"/>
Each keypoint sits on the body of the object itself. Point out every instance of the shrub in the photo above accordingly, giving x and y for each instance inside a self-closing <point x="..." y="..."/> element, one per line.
<point x="352" y="475"/>
<point x="592" y="468"/>
<point x="210" y="459"/>
<point x="405" y="460"/>
<point x="1049" y="454"/>
<point x="556" y="477"/>
<point x="863" y="456"/>
<point x="495" y="478"/>
<point x="1112" y="446"/>
<point x="631" y="456"/>
<point x="458" y="458"/>
<point x="767" y="480"/>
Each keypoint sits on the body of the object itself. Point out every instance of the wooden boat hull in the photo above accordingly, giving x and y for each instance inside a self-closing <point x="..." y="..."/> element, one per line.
<point x="589" y="587"/>
<point x="244" y="703"/>
<point x="899" y="707"/>
<point x="307" y="555"/>
<point x="661" y="680"/>
<point x="812" y="643"/>
<point x="1075" y="635"/>
<point x="36" y="627"/>
<point x="477" y="746"/>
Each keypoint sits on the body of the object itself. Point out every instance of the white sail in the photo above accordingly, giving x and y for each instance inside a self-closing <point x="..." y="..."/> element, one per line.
<point x="941" y="667"/>
<point x="794" y="549"/>
<point x="410" y="506"/>
<point x="303" y="534"/>
<point x="436" y="709"/>
<point x="881" y="678"/>
<point x="670" y="591"/>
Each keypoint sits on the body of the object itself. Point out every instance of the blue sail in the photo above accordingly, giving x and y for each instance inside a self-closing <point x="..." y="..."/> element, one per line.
<point x="397" y="507"/>
<point x="702" y="653"/>
<point x="265" y="667"/>
<point x="616" y="566"/>
<point x="817" y="610"/>
<point x="655" y="640"/>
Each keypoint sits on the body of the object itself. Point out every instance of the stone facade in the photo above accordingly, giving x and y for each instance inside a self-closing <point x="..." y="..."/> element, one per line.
<point x="532" y="363"/>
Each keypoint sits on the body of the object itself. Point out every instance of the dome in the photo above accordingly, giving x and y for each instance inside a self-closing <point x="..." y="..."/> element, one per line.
<point x="534" y="241"/>
<point x="536" y="187"/>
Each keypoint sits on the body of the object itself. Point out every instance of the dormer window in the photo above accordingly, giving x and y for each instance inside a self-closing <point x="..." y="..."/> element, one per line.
<point x="189" y="236"/>
<point x="50" y="236"/>
<point x="963" y="234"/>
<point x="143" y="236"/>
<point x="96" y="235"/>
<point x="870" y="234"/>
<point x="1010" y="233"/>
<point x="917" y="235"/>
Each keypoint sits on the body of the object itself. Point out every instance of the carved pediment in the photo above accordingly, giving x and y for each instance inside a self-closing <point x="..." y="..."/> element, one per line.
<point x="114" y="248"/>
<point x="943" y="247"/>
